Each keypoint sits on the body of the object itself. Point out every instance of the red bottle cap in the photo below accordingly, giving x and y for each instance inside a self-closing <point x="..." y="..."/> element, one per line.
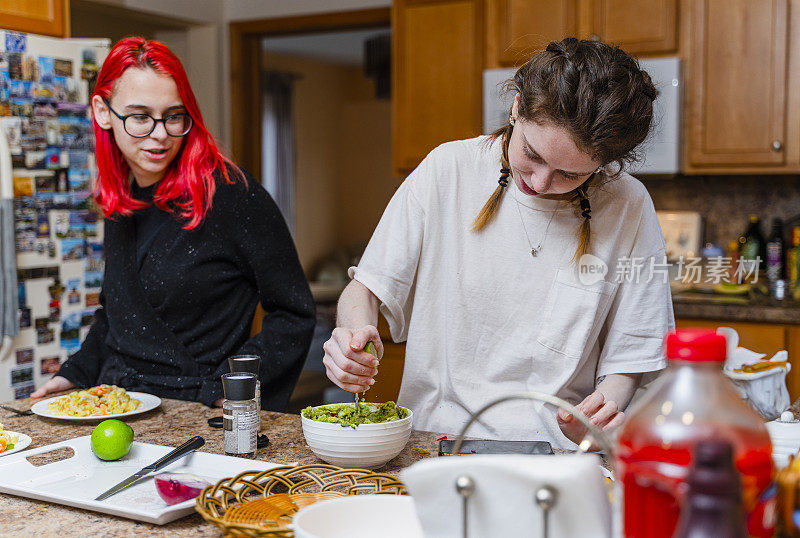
<point x="696" y="345"/>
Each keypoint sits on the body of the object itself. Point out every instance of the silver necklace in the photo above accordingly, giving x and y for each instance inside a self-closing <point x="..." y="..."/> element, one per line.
<point x="538" y="248"/>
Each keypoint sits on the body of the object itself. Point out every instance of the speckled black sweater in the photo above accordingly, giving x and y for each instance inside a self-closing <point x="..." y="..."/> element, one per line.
<point x="167" y="325"/>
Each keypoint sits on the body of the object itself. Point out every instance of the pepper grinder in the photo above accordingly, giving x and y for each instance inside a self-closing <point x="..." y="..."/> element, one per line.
<point x="240" y="414"/>
<point x="248" y="364"/>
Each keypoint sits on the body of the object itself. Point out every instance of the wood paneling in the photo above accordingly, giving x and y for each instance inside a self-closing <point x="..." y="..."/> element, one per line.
<point x="737" y="83"/>
<point x="638" y="26"/>
<point x="436" y="82"/>
<point x="45" y="17"/>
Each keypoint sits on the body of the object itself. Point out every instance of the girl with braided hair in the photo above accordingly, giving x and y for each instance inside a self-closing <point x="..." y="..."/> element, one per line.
<point x="509" y="285"/>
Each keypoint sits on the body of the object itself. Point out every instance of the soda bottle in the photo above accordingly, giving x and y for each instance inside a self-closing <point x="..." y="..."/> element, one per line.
<point x="691" y="401"/>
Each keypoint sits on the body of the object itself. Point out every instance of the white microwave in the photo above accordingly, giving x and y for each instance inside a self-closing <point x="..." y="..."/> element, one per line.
<point x="661" y="151"/>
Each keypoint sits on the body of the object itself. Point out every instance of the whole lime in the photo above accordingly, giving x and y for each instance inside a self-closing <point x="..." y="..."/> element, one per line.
<point x="111" y="440"/>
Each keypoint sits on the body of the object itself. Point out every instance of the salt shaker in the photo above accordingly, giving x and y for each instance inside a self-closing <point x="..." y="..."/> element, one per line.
<point x="249" y="364"/>
<point x="240" y="414"/>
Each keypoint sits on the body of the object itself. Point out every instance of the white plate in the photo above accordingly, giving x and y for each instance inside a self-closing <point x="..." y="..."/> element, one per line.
<point x="148" y="403"/>
<point x="22" y="443"/>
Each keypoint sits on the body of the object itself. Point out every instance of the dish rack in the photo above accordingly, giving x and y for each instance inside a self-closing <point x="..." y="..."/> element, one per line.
<point x="262" y="503"/>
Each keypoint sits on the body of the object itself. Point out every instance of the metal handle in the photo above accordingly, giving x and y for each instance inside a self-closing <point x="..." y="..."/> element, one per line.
<point x="776" y="145"/>
<point x="189" y="446"/>
<point x="548" y="495"/>
<point x="545" y="498"/>
<point x="596" y="432"/>
<point x="465" y="486"/>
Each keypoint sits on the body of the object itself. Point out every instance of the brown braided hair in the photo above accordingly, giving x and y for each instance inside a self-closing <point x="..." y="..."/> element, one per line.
<point x="599" y="95"/>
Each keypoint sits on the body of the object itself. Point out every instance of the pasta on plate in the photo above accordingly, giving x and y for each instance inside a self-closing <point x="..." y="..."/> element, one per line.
<point x="96" y="401"/>
<point x="7" y="442"/>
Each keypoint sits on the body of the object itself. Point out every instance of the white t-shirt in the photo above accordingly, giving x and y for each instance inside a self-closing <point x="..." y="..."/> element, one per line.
<point x="483" y="318"/>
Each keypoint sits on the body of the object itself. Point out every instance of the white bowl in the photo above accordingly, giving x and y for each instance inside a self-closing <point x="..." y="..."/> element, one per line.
<point x="359" y="516"/>
<point x="367" y="446"/>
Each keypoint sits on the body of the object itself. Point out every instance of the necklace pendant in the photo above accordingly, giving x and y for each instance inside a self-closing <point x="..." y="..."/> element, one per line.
<point x="534" y="252"/>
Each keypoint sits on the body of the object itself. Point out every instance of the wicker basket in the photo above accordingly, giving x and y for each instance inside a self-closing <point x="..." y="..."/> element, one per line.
<point x="262" y="503"/>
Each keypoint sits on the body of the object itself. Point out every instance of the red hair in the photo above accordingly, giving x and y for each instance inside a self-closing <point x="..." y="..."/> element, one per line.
<point x="187" y="188"/>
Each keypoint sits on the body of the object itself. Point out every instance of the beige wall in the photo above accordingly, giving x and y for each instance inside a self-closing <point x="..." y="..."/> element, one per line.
<point x="343" y="173"/>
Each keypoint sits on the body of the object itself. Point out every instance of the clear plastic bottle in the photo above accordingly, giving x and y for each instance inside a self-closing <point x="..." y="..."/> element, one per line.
<point x="691" y="401"/>
<point x="240" y="414"/>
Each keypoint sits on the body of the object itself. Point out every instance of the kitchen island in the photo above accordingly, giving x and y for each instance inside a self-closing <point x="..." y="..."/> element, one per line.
<point x="171" y="424"/>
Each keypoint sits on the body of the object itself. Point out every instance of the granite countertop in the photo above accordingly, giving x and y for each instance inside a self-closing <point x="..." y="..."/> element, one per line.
<point x="754" y="309"/>
<point x="171" y="424"/>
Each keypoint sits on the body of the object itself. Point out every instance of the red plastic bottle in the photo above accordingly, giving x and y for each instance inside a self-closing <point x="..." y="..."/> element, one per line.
<point x="691" y="401"/>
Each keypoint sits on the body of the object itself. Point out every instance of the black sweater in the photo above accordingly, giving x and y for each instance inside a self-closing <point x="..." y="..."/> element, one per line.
<point x="167" y="325"/>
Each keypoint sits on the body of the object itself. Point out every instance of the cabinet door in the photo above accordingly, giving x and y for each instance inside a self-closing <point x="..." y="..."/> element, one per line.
<point x="524" y="27"/>
<point x="622" y="23"/>
<point x="737" y="88"/>
<point x="46" y="17"/>
<point x="759" y="337"/>
<point x="437" y="56"/>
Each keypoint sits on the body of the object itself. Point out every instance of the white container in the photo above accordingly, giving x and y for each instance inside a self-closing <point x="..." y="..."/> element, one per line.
<point x="367" y="446"/>
<point x="359" y="516"/>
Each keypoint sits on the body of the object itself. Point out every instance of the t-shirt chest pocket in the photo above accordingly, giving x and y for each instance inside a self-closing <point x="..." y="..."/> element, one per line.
<point x="573" y="313"/>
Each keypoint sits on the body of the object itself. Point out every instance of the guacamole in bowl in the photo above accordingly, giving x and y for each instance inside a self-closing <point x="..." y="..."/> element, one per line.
<point x="347" y="415"/>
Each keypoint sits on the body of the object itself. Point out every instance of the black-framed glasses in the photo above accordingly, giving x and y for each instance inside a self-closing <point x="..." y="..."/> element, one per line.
<point x="140" y="125"/>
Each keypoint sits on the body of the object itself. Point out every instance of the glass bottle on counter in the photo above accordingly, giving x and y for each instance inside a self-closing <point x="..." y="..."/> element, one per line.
<point x="240" y="414"/>
<point x="752" y="244"/>
<point x="713" y="504"/>
<point x="793" y="261"/>
<point x="249" y="364"/>
<point x="775" y="252"/>
<point x="690" y="402"/>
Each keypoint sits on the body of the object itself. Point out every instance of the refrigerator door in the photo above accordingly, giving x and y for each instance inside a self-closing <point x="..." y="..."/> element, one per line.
<point x="44" y="91"/>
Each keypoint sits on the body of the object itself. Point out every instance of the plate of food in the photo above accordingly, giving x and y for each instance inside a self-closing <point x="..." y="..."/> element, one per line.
<point x="100" y="402"/>
<point x="11" y="442"/>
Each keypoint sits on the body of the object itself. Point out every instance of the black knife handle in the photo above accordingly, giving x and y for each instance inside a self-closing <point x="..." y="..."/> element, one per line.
<point x="189" y="446"/>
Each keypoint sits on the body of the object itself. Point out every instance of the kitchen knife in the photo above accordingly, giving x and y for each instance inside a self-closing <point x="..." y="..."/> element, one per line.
<point x="185" y="449"/>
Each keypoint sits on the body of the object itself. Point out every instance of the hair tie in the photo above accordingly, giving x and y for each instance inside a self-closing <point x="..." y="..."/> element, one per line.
<point x="586" y="209"/>
<point x="504" y="173"/>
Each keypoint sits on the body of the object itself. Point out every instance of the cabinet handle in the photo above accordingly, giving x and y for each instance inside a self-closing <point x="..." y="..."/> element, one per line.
<point x="594" y="37"/>
<point x="776" y="145"/>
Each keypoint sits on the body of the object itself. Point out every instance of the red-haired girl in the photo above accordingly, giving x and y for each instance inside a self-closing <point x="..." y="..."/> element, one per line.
<point x="192" y="244"/>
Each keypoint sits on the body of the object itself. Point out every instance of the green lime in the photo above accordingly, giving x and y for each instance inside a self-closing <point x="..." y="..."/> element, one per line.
<point x="111" y="440"/>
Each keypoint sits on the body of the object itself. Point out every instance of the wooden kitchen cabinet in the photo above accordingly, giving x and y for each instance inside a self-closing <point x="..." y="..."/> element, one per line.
<point x="640" y="27"/>
<point x="45" y="17"/>
<point x="523" y="27"/>
<point x="519" y="28"/>
<point x="437" y="70"/>
<point x="740" y="116"/>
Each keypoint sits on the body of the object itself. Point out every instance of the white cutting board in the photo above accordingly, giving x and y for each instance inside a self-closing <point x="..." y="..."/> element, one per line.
<point x="76" y="481"/>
